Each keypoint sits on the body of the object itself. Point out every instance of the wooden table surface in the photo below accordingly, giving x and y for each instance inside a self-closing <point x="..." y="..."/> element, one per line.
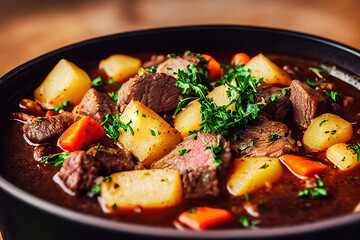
<point x="28" y="28"/>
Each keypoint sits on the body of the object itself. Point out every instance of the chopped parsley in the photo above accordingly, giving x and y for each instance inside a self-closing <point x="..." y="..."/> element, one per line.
<point x="354" y="178"/>
<point x="274" y="136"/>
<point x="99" y="148"/>
<point x="143" y="115"/>
<point x="107" y="179"/>
<point x="115" y="207"/>
<point x="273" y="97"/>
<point x="96" y="190"/>
<point x="55" y="159"/>
<point x="318" y="71"/>
<point x="172" y="55"/>
<point x="111" y="81"/>
<point x="168" y="68"/>
<point x="63" y="106"/>
<point x="148" y="70"/>
<point x="243" y="147"/>
<point x="264" y="166"/>
<point x="38" y="119"/>
<point x="333" y="95"/>
<point x="315" y="192"/>
<point x="215" y="150"/>
<point x="311" y="84"/>
<point x="247" y="197"/>
<point x="114" y="96"/>
<point x="325" y="120"/>
<point x="224" y="66"/>
<point x="356" y="148"/>
<point x="112" y="124"/>
<point x="96" y="82"/>
<point x="247" y="223"/>
<point x="285" y="91"/>
<point x="192" y="211"/>
<point x="152" y="132"/>
<point x="183" y="151"/>
<point x="252" y="143"/>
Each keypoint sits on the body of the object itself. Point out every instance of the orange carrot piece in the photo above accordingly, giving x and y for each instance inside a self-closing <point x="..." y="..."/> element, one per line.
<point x="81" y="134"/>
<point x="240" y="58"/>
<point x="213" y="66"/>
<point x="202" y="218"/>
<point x="302" y="166"/>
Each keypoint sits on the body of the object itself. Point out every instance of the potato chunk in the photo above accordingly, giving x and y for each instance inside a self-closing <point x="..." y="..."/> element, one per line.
<point x="261" y="66"/>
<point x="120" y="67"/>
<point x="250" y="174"/>
<point x="65" y="82"/>
<point x="342" y="157"/>
<point x="326" y="130"/>
<point x="153" y="137"/>
<point x="153" y="188"/>
<point x="190" y="118"/>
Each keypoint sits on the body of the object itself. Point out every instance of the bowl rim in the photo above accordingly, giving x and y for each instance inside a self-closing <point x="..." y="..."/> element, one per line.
<point x="137" y="229"/>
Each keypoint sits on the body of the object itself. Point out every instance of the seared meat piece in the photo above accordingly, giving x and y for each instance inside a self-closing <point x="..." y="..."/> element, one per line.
<point x="155" y="90"/>
<point x="97" y="105"/>
<point x="278" y="108"/>
<point x="47" y="129"/>
<point x="111" y="159"/>
<point x="79" y="171"/>
<point x="155" y="60"/>
<point x="201" y="176"/>
<point x="263" y="138"/>
<point x="20" y="116"/>
<point x="307" y="103"/>
<point x="173" y="65"/>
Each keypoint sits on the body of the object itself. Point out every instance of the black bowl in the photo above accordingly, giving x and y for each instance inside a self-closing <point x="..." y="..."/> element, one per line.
<point x="23" y="216"/>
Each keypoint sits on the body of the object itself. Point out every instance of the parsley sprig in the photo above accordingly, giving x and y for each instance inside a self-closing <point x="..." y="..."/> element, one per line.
<point x="63" y="106"/>
<point x="316" y="192"/>
<point x="356" y="148"/>
<point x="112" y="124"/>
<point x="55" y="159"/>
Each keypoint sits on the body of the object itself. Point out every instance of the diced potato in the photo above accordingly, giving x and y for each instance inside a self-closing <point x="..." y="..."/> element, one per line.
<point x="261" y="66"/>
<point x="342" y="157"/>
<point x="250" y="174"/>
<point x="190" y="119"/>
<point x="155" y="188"/>
<point x="120" y="67"/>
<point x="153" y="137"/>
<point x="65" y="82"/>
<point x="326" y="130"/>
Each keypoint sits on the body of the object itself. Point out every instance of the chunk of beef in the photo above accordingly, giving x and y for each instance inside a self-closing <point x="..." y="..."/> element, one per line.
<point x="155" y="60"/>
<point x="256" y="140"/>
<point x="97" y="105"/>
<point x="276" y="109"/>
<point x="111" y="159"/>
<point x="202" y="177"/>
<point x="79" y="171"/>
<point x="47" y="129"/>
<point x="173" y="65"/>
<point x="308" y="103"/>
<point x="155" y="90"/>
<point x="21" y="116"/>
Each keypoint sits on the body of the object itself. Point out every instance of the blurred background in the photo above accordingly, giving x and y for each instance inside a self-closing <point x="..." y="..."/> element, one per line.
<point x="29" y="28"/>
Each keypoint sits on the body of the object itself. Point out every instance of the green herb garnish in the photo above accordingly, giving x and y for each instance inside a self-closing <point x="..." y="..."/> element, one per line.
<point x="183" y="151"/>
<point x="274" y="136"/>
<point x="354" y="178"/>
<point x="99" y="148"/>
<point x="273" y="97"/>
<point x="247" y="197"/>
<point x="38" y="119"/>
<point x="311" y="84"/>
<point x="215" y="150"/>
<point x="63" y="106"/>
<point x="285" y="91"/>
<point x="325" y="120"/>
<point x="192" y="211"/>
<point x="243" y="147"/>
<point x="96" y="82"/>
<point x="264" y="166"/>
<point x="111" y="81"/>
<point x="152" y="132"/>
<point x="96" y="190"/>
<point x="55" y="159"/>
<point x="246" y="222"/>
<point x="315" y="192"/>
<point x="356" y="148"/>
<point x="318" y="71"/>
<point x="112" y="124"/>
<point x="114" y="96"/>
<point x="107" y="179"/>
<point x="332" y="95"/>
<point x="172" y="55"/>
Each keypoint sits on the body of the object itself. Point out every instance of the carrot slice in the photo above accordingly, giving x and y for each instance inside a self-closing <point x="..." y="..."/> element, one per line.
<point x="80" y="134"/>
<point x="213" y="66"/>
<point x="240" y="58"/>
<point x="302" y="166"/>
<point x="202" y="218"/>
